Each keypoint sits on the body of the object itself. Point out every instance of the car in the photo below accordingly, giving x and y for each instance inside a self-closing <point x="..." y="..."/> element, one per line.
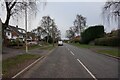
<point x="60" y="43"/>
<point x="32" y="43"/>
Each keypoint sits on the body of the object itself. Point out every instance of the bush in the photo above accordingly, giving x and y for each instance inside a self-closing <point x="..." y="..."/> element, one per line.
<point x="12" y="43"/>
<point x="92" y="33"/>
<point x="108" y="41"/>
<point x="15" y="43"/>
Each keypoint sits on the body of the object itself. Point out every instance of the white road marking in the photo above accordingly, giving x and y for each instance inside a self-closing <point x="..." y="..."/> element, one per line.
<point x="72" y="53"/>
<point x="27" y="68"/>
<point x="87" y="69"/>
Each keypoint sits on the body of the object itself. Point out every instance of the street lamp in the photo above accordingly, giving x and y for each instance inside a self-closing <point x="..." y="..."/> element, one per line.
<point x="26" y="27"/>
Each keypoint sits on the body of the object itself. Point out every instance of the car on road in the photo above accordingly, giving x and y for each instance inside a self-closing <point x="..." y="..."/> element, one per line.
<point x="60" y="43"/>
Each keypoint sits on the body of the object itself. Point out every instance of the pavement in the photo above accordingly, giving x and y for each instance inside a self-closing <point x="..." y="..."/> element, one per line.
<point x="10" y="52"/>
<point x="69" y="61"/>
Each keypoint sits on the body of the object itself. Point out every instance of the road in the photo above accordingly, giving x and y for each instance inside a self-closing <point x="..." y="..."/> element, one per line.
<point x="71" y="62"/>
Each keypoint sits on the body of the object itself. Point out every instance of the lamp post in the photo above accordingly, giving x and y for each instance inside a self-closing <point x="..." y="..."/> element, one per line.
<point x="26" y="27"/>
<point x="1" y="40"/>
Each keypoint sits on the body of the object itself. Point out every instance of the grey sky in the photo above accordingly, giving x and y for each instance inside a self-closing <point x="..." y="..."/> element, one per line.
<point x="64" y="14"/>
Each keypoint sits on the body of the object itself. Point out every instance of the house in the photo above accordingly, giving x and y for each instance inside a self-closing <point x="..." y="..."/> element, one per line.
<point x="39" y="32"/>
<point x="12" y="33"/>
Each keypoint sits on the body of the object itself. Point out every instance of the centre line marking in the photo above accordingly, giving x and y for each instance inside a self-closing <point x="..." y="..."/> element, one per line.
<point x="72" y="53"/>
<point x="87" y="69"/>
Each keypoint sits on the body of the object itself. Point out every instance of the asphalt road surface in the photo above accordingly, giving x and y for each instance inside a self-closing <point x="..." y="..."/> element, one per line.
<point x="68" y="61"/>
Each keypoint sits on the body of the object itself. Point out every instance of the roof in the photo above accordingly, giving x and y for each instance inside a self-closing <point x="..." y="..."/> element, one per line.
<point x="15" y="29"/>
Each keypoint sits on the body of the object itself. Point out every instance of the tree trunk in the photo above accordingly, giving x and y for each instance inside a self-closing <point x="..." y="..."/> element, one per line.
<point x="47" y="38"/>
<point x="5" y="26"/>
<point x="7" y="20"/>
<point x="53" y="39"/>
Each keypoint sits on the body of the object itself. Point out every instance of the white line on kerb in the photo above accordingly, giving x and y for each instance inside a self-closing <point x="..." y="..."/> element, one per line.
<point x="87" y="69"/>
<point x="72" y="53"/>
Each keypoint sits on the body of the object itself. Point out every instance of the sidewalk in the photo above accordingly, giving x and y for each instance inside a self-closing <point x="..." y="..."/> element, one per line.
<point x="9" y="52"/>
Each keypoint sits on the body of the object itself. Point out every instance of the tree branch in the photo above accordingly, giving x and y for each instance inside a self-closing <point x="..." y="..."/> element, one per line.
<point x="13" y="4"/>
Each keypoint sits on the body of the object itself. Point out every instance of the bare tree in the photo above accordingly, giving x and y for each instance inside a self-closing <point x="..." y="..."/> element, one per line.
<point x="111" y="10"/>
<point x="79" y="23"/>
<point x="70" y="33"/>
<point x="49" y="27"/>
<point x="15" y="7"/>
<point x="46" y="23"/>
<point x="55" y="32"/>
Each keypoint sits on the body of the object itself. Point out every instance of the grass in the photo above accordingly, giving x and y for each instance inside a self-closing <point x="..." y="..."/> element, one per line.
<point x="33" y="47"/>
<point x="82" y="45"/>
<point x="46" y="47"/>
<point x="11" y="63"/>
<point x="98" y="49"/>
<point x="110" y="52"/>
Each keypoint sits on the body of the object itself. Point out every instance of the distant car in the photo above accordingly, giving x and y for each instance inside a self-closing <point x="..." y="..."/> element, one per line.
<point x="60" y="43"/>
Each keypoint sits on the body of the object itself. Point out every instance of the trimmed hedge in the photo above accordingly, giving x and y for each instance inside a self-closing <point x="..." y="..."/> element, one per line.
<point x="108" y="41"/>
<point x="92" y="33"/>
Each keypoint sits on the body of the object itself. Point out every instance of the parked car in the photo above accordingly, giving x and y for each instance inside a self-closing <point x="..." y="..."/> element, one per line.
<point x="60" y="43"/>
<point x="33" y="42"/>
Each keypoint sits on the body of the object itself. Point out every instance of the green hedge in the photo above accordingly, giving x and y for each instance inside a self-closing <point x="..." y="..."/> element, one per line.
<point x="108" y="41"/>
<point x="15" y="43"/>
<point x="92" y="33"/>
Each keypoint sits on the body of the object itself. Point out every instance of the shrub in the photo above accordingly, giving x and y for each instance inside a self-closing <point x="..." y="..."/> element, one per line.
<point x="15" y="43"/>
<point x="92" y="33"/>
<point x="108" y="41"/>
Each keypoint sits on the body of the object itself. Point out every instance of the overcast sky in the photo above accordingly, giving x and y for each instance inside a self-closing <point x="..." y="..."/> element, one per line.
<point x="64" y="14"/>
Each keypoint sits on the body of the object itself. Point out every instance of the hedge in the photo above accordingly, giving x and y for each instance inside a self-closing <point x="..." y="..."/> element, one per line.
<point x="92" y="33"/>
<point x="108" y="41"/>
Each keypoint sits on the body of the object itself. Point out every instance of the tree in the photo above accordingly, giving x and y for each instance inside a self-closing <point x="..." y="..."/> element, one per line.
<point x="58" y="35"/>
<point x="14" y="7"/>
<point x="46" y="23"/>
<point x="111" y="10"/>
<point x="40" y="32"/>
<point x="49" y="27"/>
<point x="55" y="33"/>
<point x="70" y="33"/>
<point x="79" y="23"/>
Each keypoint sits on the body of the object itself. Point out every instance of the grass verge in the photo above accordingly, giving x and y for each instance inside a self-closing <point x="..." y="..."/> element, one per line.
<point x="82" y="45"/>
<point x="47" y="47"/>
<point x="99" y="49"/>
<point x="110" y="52"/>
<point x="13" y="65"/>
